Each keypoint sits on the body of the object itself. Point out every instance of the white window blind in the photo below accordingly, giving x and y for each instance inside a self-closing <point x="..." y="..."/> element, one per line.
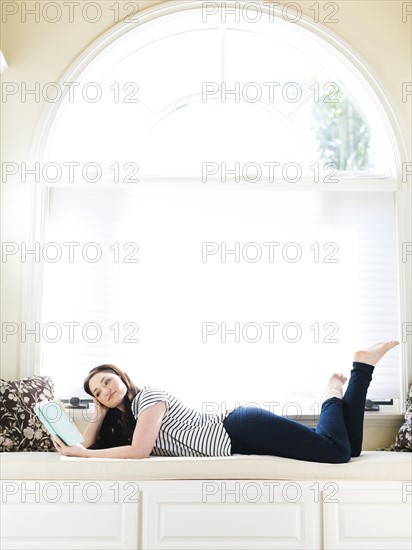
<point x="257" y="325"/>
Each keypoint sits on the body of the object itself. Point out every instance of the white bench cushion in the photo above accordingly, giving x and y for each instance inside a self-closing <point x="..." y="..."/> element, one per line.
<point x="374" y="465"/>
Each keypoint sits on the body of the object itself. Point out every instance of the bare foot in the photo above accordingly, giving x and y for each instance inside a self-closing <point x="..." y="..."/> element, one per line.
<point x="334" y="387"/>
<point x="372" y="355"/>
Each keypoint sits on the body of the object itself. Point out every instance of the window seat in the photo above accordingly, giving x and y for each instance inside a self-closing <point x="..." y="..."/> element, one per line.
<point x="231" y="503"/>
<point x="371" y="465"/>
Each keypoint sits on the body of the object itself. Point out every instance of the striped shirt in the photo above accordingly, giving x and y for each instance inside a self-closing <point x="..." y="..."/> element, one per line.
<point x="184" y="431"/>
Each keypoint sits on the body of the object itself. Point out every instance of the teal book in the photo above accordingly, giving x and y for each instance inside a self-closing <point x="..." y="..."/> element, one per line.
<point x="55" y="419"/>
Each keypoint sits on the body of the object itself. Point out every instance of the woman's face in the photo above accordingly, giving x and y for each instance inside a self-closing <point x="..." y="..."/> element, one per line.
<point x="108" y="388"/>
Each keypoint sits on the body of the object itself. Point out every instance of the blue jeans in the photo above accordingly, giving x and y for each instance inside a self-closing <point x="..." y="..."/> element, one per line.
<point x="336" y="438"/>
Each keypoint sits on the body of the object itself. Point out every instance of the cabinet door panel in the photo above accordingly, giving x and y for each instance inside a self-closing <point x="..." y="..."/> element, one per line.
<point x="378" y="518"/>
<point x="176" y="519"/>
<point x="69" y="515"/>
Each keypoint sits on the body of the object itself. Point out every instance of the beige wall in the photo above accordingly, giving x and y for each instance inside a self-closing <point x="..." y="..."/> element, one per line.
<point x="42" y="51"/>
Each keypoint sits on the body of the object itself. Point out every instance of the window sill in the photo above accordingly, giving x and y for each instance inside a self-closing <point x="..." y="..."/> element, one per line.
<point x="380" y="418"/>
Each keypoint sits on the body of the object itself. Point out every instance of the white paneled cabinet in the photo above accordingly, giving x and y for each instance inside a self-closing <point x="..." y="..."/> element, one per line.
<point x="201" y="515"/>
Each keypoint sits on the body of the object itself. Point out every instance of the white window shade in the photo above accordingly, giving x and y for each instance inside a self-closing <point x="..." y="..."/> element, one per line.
<point x="340" y="295"/>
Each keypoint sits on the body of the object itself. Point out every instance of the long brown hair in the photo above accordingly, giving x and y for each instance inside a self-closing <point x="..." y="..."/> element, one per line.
<point x="117" y="427"/>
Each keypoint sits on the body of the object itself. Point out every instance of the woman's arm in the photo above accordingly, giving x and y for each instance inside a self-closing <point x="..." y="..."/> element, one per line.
<point x="93" y="427"/>
<point x="144" y="438"/>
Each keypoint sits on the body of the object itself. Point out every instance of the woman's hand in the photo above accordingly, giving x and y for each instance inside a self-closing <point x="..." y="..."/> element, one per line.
<point x="93" y="427"/>
<point x="72" y="450"/>
<point x="100" y="410"/>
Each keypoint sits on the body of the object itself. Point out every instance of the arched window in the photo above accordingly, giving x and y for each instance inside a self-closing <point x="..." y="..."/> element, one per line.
<point x="221" y="191"/>
<point x="198" y="84"/>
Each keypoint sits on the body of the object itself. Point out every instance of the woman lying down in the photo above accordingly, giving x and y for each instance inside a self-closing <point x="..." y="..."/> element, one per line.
<point x="129" y="422"/>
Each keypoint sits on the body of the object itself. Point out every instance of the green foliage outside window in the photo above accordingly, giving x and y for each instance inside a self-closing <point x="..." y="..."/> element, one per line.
<point x="342" y="134"/>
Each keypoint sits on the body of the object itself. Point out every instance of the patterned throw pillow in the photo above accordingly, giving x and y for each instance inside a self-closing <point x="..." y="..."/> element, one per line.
<point x="403" y="441"/>
<point x="20" y="429"/>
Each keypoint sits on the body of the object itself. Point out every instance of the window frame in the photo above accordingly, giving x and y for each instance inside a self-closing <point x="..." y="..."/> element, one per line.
<point x="30" y="359"/>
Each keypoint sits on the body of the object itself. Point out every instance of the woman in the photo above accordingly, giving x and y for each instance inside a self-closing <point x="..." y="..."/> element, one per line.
<point x="133" y="423"/>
